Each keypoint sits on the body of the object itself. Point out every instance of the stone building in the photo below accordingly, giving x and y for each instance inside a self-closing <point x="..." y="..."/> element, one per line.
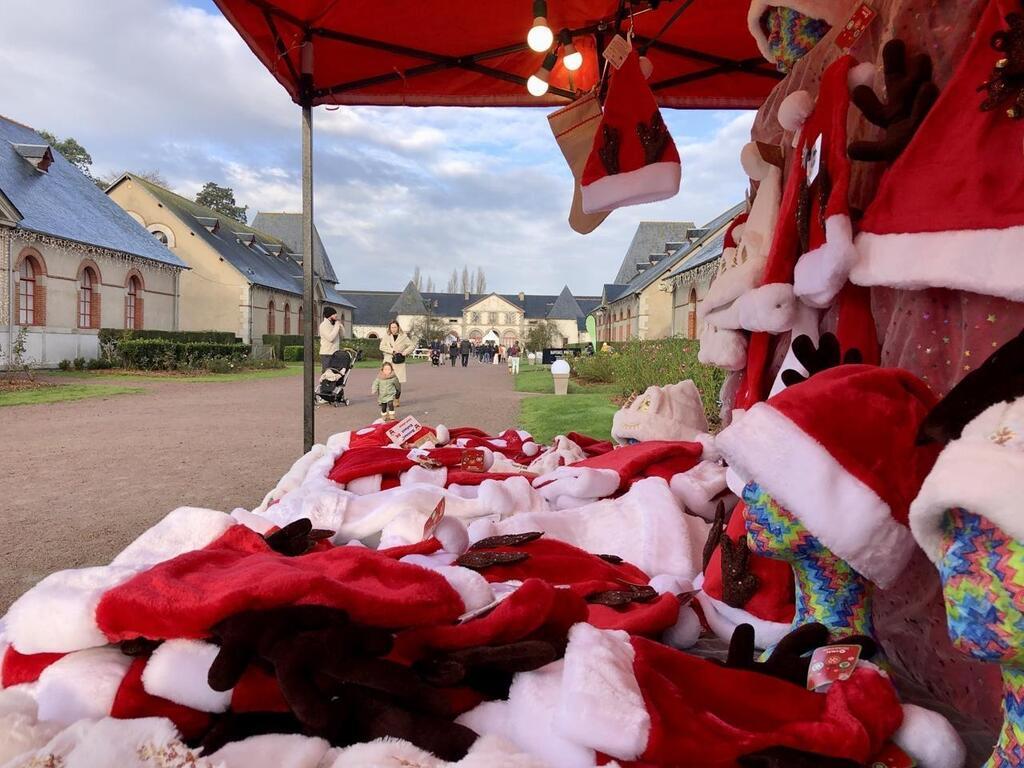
<point x="71" y="261"/>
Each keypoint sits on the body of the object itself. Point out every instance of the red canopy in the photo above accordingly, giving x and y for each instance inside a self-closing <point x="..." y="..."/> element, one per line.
<point x="474" y="52"/>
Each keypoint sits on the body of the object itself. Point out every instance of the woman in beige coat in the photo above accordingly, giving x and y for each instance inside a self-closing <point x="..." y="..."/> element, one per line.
<point x="396" y="342"/>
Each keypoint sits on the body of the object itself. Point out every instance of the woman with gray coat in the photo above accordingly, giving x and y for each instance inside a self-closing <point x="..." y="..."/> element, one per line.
<point x="396" y="346"/>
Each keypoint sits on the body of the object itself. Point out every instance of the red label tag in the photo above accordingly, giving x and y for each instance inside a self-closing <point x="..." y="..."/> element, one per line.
<point x="434" y="520"/>
<point x="472" y="460"/>
<point x="831" y="663"/>
<point x="617" y="51"/>
<point x="856" y="26"/>
<point x="892" y="756"/>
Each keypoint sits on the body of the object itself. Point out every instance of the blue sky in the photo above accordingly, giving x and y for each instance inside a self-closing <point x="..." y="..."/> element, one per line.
<point x="167" y="85"/>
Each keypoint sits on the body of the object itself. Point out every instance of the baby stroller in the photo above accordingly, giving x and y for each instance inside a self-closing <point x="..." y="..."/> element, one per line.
<point x="435" y="356"/>
<point x="331" y="387"/>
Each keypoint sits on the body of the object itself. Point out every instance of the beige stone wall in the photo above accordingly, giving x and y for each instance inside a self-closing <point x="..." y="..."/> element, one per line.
<point x="685" y="309"/>
<point x="654" y="319"/>
<point x="493" y="312"/>
<point x="621" y="320"/>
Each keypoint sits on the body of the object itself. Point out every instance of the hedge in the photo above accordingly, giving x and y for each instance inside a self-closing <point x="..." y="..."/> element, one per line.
<point x="292" y="354"/>
<point x="281" y="343"/>
<point x="113" y="335"/>
<point x="167" y="355"/>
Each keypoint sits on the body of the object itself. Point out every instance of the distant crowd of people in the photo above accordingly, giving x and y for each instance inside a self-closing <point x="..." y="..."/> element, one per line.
<point x="455" y="350"/>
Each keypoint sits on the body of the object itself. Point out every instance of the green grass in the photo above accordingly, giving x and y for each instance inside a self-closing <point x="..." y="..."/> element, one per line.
<point x="63" y="393"/>
<point x="537" y="378"/>
<point x="545" y="416"/>
<point x="104" y="377"/>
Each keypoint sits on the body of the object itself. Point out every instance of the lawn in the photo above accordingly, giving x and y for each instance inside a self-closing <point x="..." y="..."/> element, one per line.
<point x="545" y="416"/>
<point x="63" y="393"/>
<point x="537" y="378"/>
<point x="103" y="377"/>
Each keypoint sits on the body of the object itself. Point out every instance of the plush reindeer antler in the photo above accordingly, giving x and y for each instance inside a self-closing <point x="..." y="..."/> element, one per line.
<point x="910" y="93"/>
<point x="296" y="538"/>
<point x="738" y="583"/>
<point x="785" y="757"/>
<point x="819" y="359"/>
<point x="714" y="535"/>
<point x="999" y="379"/>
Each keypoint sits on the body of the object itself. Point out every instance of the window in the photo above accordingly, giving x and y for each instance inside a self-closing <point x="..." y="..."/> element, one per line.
<point x="88" y="299"/>
<point x="133" y="304"/>
<point x="300" y="319"/>
<point x="691" y="320"/>
<point x="508" y="339"/>
<point x="287" y="319"/>
<point x="270" y="318"/>
<point x="161" y="236"/>
<point x="27" y="293"/>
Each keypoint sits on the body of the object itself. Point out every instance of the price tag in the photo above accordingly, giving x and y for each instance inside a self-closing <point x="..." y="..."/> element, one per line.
<point x="430" y="527"/>
<point x="472" y="460"/>
<point x="892" y="756"/>
<point x="856" y="26"/>
<point x="831" y="663"/>
<point x="812" y="160"/>
<point x="404" y="430"/>
<point x="617" y="51"/>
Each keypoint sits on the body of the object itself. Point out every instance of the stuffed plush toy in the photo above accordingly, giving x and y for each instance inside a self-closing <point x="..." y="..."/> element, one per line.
<point x="673" y="412"/>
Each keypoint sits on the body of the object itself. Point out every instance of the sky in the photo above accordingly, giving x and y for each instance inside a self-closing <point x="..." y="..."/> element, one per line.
<point x="168" y="85"/>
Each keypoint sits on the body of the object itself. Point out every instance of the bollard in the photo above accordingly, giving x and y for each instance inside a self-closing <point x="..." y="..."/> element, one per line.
<point x="560" y="373"/>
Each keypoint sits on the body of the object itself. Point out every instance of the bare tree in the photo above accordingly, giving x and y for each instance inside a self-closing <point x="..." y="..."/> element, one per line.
<point x="453" y="281"/>
<point x="430" y="285"/>
<point x="465" y="282"/>
<point x="480" y="281"/>
<point x="417" y="278"/>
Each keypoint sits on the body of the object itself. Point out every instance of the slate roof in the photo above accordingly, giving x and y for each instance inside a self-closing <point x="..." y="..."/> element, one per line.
<point x="409" y="302"/>
<point x="255" y="262"/>
<point x="335" y="298"/>
<point x="650" y="237"/>
<point x="64" y="203"/>
<point x="287" y="227"/>
<point x="711" y="246"/>
<point x="565" y="307"/>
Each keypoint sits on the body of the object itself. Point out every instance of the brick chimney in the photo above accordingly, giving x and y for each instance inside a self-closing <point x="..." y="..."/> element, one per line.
<point x="522" y="296"/>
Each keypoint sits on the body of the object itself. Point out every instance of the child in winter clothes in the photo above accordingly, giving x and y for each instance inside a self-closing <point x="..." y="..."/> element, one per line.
<point x="388" y="390"/>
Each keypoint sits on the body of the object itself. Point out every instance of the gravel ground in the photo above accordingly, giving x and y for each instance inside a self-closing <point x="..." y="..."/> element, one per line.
<point x="84" y="478"/>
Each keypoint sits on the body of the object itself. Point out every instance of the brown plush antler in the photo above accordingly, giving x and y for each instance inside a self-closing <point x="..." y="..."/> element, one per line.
<point x="738" y="583"/>
<point x="909" y="93"/>
<point x="714" y="535"/>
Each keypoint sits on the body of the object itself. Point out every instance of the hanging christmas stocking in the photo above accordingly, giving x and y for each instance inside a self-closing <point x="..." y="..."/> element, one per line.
<point x="574" y="128"/>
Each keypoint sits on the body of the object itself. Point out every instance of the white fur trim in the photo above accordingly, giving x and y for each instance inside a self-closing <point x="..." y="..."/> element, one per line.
<point x="443" y="435"/>
<point x="600" y="703"/>
<point x="577" y="482"/>
<point x="816" y="9"/>
<point x="471" y="586"/>
<point x="20" y="730"/>
<point x="794" y="110"/>
<point x="58" y="615"/>
<point x="657" y="181"/>
<point x="178" y="671"/>
<point x="800" y="474"/>
<point x="820" y="274"/>
<point x="985" y="261"/>
<point x="770" y="308"/>
<point x="730" y="285"/>
<point x="81" y="685"/>
<point x="722" y="348"/>
<point x="183" y="530"/>
<point x="929" y="738"/>
<point x="685" y="632"/>
<point x="252" y="521"/>
<point x="697" y="488"/>
<point x="976" y="474"/>
<point x="723" y="620"/>
<point x="363" y="486"/>
<point x="272" y="750"/>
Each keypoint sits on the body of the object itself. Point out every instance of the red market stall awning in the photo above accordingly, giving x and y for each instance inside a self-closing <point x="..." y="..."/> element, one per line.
<point x="473" y="53"/>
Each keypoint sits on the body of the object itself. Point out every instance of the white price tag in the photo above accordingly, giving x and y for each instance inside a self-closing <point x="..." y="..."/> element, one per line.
<point x="404" y="430"/>
<point x="812" y="160"/>
<point x="617" y="51"/>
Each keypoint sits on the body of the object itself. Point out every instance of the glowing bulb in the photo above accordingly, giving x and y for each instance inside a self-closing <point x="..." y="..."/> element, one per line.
<point x="573" y="59"/>
<point x="536" y="86"/>
<point x="540" y="37"/>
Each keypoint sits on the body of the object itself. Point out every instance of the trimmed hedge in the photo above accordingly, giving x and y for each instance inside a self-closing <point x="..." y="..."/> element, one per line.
<point x="113" y="335"/>
<point x="281" y="343"/>
<point x="292" y="354"/>
<point x="168" y="355"/>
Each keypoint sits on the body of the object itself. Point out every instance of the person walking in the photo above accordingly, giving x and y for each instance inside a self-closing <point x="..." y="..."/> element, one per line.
<point x="453" y="352"/>
<point x="395" y="346"/>
<point x="513" y="358"/>
<point x="465" y="348"/>
<point x="388" y="390"/>
<point x="330" y="335"/>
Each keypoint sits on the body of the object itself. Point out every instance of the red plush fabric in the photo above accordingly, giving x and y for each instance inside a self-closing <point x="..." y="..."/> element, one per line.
<point x="21" y="668"/>
<point x="714" y="715"/>
<point x="375" y="436"/>
<point x="390" y="462"/>
<point x="649" y="458"/>
<point x="647" y="619"/>
<point x="184" y="597"/>
<point x="559" y="563"/>
<point x="425" y="547"/>
<point x="535" y="610"/>
<point x="464" y="477"/>
<point x="846" y="409"/>
<point x="774" y="599"/>
<point x="258" y="691"/>
<point x="591" y="445"/>
<point x="855" y="326"/>
<point x="132" y="701"/>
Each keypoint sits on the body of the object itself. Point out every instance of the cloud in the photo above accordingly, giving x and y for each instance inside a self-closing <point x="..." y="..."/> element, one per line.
<point x="153" y="84"/>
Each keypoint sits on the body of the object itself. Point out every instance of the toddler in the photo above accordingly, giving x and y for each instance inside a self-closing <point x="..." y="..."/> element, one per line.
<point x="388" y="390"/>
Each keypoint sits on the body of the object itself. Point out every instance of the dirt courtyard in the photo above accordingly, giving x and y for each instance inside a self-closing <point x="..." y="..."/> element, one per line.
<point x="82" y="479"/>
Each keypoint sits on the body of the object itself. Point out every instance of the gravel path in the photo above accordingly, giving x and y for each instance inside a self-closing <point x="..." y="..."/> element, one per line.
<point x="82" y="479"/>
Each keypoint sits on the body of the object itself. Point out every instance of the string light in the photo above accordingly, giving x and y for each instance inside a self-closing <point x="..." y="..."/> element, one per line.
<point x="537" y="85"/>
<point x="571" y="58"/>
<point x="540" y="38"/>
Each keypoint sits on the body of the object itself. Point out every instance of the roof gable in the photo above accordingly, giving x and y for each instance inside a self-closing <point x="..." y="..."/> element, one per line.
<point x="409" y="302"/>
<point x="287" y="227"/>
<point x="565" y="307"/>
<point x="478" y="299"/>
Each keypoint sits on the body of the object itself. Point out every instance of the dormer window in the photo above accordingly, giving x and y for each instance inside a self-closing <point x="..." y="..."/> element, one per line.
<point x="39" y="155"/>
<point x="211" y="224"/>
<point x="245" y="238"/>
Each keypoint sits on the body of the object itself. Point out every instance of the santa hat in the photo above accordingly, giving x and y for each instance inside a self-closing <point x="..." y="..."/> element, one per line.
<point x="830" y="12"/>
<point x="634" y="159"/>
<point x="839" y="452"/>
<point x="672" y="412"/>
<point x="949" y="212"/>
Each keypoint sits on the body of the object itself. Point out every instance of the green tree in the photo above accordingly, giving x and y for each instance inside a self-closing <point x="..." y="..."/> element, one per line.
<point x="222" y="200"/>
<point x="428" y="327"/>
<point x="541" y="335"/>
<point x="73" y="152"/>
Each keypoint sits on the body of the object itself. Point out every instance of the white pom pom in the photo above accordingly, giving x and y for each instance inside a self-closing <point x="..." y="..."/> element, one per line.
<point x="862" y="74"/>
<point x="453" y="535"/>
<point x="685" y="632"/>
<point x="646" y="68"/>
<point x="443" y="435"/>
<point x="530" y="448"/>
<point x="753" y="164"/>
<point x="929" y="738"/>
<point x="795" y="109"/>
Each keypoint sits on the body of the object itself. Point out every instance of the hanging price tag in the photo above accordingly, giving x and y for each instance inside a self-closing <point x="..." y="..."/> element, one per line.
<point x="434" y="520"/>
<point x="856" y="26"/>
<point x="404" y="430"/>
<point x="892" y="756"/>
<point x="812" y="160"/>
<point x="831" y="663"/>
<point x="617" y="51"/>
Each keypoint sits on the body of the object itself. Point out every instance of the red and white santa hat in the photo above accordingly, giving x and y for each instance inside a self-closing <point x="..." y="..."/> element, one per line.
<point x="839" y="452"/>
<point x="949" y="213"/>
<point x="634" y="159"/>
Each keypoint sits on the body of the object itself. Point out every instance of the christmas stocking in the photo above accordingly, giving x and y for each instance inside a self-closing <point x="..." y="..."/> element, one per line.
<point x="574" y="128"/>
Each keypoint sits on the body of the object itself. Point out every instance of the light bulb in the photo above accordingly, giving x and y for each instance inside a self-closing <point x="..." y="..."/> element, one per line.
<point x="536" y="86"/>
<point x="573" y="59"/>
<point x="540" y="37"/>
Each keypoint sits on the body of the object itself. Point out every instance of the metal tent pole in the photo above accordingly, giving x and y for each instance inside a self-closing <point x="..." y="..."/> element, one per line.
<point x="308" y="373"/>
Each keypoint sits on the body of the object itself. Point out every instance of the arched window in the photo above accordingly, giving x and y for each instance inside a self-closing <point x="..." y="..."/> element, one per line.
<point x="27" y="293"/>
<point x="271" y="324"/>
<point x="161" y="236"/>
<point x="300" y="320"/>
<point x="287" y="319"/>
<point x="508" y="338"/>
<point x="133" y="304"/>
<point x="88" y="299"/>
<point x="371" y="335"/>
<point x="691" y="323"/>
